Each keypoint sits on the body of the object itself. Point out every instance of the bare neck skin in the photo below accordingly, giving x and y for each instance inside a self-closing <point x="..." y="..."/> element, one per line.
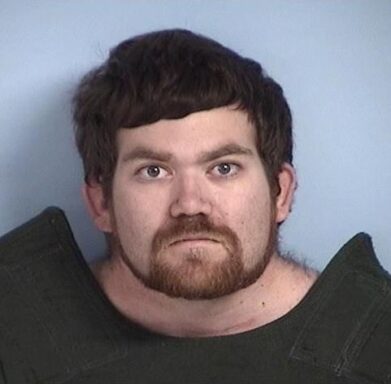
<point x="280" y="288"/>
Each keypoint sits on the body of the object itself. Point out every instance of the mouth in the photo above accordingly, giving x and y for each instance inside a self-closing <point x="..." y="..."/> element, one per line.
<point x="193" y="239"/>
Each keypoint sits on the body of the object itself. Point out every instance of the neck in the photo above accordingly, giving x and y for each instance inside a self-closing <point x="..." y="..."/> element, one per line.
<point x="280" y="288"/>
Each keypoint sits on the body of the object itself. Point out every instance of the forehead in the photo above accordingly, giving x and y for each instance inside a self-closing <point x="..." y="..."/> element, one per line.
<point x="197" y="132"/>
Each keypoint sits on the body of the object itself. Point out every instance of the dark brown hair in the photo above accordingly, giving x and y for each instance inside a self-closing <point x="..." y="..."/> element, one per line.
<point x="167" y="75"/>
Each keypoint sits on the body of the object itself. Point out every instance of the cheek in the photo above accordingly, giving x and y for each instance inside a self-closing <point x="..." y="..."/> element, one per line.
<point x="254" y="215"/>
<point x="136" y="220"/>
<point x="249" y="216"/>
<point x="248" y="202"/>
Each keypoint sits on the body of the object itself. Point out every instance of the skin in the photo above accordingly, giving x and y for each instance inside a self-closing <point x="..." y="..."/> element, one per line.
<point x="205" y="164"/>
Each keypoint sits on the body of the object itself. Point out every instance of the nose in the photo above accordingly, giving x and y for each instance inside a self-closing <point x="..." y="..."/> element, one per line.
<point x="190" y="197"/>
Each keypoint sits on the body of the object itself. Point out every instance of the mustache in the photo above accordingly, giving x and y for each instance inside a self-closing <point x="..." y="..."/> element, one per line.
<point x="194" y="225"/>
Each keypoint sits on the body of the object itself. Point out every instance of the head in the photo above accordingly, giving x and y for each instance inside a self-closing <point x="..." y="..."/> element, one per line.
<point x="172" y="103"/>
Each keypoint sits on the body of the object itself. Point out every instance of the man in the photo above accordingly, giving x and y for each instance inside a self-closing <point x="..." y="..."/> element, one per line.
<point x="187" y="152"/>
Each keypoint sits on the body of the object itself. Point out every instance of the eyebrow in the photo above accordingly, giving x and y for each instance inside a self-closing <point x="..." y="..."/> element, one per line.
<point x="225" y="150"/>
<point x="144" y="153"/>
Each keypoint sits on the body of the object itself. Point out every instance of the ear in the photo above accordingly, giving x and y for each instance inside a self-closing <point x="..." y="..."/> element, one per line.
<point x="287" y="182"/>
<point x="97" y="206"/>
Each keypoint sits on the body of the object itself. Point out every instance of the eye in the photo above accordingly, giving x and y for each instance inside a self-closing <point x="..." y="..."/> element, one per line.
<point x="225" y="169"/>
<point x="152" y="172"/>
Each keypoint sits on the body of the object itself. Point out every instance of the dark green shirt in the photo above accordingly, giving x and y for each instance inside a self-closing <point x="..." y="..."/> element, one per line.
<point x="56" y="325"/>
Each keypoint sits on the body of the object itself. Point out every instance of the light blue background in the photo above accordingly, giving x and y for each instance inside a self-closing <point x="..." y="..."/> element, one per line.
<point x="333" y="58"/>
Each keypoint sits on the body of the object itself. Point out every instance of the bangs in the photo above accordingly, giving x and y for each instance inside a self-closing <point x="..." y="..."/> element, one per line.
<point x="158" y="83"/>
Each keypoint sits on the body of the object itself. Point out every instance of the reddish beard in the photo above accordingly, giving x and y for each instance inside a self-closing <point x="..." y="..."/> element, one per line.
<point x="196" y="275"/>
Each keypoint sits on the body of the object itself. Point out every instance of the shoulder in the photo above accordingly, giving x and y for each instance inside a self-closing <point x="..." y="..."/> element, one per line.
<point x="349" y="329"/>
<point x="54" y="320"/>
<point x="370" y="347"/>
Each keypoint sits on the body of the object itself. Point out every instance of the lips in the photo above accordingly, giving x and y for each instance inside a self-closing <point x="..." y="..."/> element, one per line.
<point x="192" y="238"/>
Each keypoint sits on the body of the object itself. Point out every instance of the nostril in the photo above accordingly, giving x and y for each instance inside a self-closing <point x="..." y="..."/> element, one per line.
<point x="190" y="206"/>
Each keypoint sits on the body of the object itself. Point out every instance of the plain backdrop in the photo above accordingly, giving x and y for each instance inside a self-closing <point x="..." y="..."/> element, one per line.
<point x="333" y="59"/>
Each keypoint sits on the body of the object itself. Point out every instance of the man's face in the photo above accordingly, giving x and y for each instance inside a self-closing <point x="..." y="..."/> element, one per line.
<point x="191" y="213"/>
